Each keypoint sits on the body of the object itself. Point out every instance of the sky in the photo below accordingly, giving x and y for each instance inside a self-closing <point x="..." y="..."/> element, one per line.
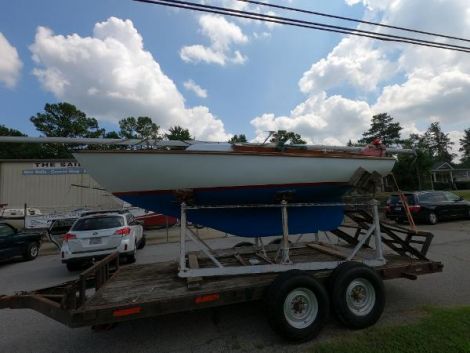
<point x="220" y="76"/>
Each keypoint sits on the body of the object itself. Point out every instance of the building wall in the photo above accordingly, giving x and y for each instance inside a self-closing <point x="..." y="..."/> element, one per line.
<point x="51" y="185"/>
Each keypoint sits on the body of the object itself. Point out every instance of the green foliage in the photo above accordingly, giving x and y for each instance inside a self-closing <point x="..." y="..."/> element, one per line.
<point x="465" y="149"/>
<point x="281" y="137"/>
<point x="383" y="128"/>
<point x="20" y="150"/>
<point x="65" y="120"/>
<point x="414" y="172"/>
<point x="238" y="139"/>
<point x="442" y="330"/>
<point x="141" y="128"/>
<point x="438" y="143"/>
<point x="177" y="133"/>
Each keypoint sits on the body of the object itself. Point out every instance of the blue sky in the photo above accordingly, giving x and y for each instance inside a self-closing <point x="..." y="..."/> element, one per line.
<point x="322" y="85"/>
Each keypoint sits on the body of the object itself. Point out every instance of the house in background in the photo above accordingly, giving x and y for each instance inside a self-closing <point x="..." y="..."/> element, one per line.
<point x="445" y="176"/>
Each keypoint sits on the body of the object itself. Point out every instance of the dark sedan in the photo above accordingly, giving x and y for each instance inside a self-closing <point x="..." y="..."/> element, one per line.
<point x="18" y="243"/>
<point x="428" y="206"/>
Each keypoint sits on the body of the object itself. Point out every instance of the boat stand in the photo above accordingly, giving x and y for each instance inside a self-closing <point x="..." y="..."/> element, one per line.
<point x="282" y="261"/>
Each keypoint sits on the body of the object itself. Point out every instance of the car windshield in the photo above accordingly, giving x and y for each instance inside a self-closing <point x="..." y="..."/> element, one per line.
<point x="395" y="199"/>
<point x="97" y="223"/>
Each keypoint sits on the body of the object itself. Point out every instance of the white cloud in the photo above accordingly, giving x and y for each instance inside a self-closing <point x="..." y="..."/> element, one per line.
<point x="111" y="76"/>
<point x="222" y="35"/>
<point x="192" y="86"/>
<point x="10" y="63"/>
<point x="354" y="61"/>
<point x="320" y="120"/>
<point x="415" y="85"/>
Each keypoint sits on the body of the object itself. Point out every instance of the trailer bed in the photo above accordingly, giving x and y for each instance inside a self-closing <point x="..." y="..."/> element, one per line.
<point x="108" y="293"/>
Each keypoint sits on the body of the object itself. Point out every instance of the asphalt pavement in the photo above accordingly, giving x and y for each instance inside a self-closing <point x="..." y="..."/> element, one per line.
<point x="238" y="328"/>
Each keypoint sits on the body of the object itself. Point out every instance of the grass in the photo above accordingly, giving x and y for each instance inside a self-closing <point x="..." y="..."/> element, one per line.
<point x="464" y="193"/>
<point x="441" y="331"/>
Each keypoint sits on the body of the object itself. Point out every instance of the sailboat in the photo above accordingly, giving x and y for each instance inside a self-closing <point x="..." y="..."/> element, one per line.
<point x="204" y="174"/>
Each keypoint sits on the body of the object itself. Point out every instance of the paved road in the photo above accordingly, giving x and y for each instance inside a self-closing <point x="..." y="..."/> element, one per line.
<point x="240" y="328"/>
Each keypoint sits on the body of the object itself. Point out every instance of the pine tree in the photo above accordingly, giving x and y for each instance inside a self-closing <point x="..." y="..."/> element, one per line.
<point x="383" y="128"/>
<point x="438" y="143"/>
<point x="465" y="149"/>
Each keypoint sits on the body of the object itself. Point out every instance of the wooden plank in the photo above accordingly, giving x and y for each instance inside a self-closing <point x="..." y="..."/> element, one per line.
<point x="327" y="250"/>
<point x="241" y="260"/>
<point x="193" y="282"/>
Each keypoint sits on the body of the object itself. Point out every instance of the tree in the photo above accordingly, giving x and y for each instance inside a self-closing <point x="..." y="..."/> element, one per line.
<point x="413" y="172"/>
<point x="465" y="149"/>
<point x="141" y="128"/>
<point x="238" y="139"/>
<point x="20" y="150"/>
<point x="177" y="133"/>
<point x="383" y="128"/>
<point x="438" y="143"/>
<point x="283" y="136"/>
<point x="65" y="120"/>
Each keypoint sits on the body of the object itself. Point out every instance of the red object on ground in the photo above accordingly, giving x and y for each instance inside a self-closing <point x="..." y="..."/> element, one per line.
<point x="156" y="220"/>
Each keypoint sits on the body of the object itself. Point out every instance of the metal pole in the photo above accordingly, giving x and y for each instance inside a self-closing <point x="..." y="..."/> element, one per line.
<point x="378" y="235"/>
<point x="285" y="234"/>
<point x="166" y="220"/>
<point x="183" y="238"/>
<point x="25" y="212"/>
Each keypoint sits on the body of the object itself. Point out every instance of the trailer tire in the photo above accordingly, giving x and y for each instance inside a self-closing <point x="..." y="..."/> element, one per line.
<point x="297" y="306"/>
<point x="31" y="252"/>
<point x="357" y="295"/>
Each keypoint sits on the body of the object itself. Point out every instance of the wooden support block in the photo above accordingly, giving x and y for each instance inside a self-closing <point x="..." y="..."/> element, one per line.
<point x="193" y="282"/>
<point x="241" y="259"/>
<point x="327" y="250"/>
<point x="264" y="257"/>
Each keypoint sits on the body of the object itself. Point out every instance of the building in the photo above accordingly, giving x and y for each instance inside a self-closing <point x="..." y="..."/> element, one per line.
<point x="51" y="185"/>
<point x="445" y="176"/>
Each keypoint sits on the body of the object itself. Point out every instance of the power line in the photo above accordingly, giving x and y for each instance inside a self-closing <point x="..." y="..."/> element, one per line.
<point x="304" y="24"/>
<point x="352" y="19"/>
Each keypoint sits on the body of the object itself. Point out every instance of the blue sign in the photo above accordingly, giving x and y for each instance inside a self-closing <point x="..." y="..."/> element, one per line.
<point x="54" y="171"/>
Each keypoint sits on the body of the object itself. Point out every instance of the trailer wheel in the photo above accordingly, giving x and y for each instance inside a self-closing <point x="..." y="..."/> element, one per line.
<point x="297" y="306"/>
<point x="31" y="252"/>
<point x="357" y="295"/>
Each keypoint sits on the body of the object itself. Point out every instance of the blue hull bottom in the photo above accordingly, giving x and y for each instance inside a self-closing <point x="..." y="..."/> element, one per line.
<point x="252" y="222"/>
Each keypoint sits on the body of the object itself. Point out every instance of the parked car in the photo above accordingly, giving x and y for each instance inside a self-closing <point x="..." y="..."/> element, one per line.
<point x="99" y="234"/>
<point x="14" y="242"/>
<point x="428" y="206"/>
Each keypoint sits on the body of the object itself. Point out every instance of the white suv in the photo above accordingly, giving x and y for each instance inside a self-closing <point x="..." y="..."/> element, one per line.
<point x="99" y="234"/>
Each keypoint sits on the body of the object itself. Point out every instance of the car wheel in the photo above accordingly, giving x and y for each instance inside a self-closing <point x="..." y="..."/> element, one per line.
<point x="73" y="266"/>
<point x="432" y="218"/>
<point x="357" y="295"/>
<point x="142" y="242"/>
<point x="31" y="252"/>
<point x="130" y="259"/>
<point x="297" y="305"/>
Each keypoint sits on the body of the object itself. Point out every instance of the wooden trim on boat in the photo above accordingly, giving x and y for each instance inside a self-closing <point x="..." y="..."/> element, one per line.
<point x="269" y="153"/>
